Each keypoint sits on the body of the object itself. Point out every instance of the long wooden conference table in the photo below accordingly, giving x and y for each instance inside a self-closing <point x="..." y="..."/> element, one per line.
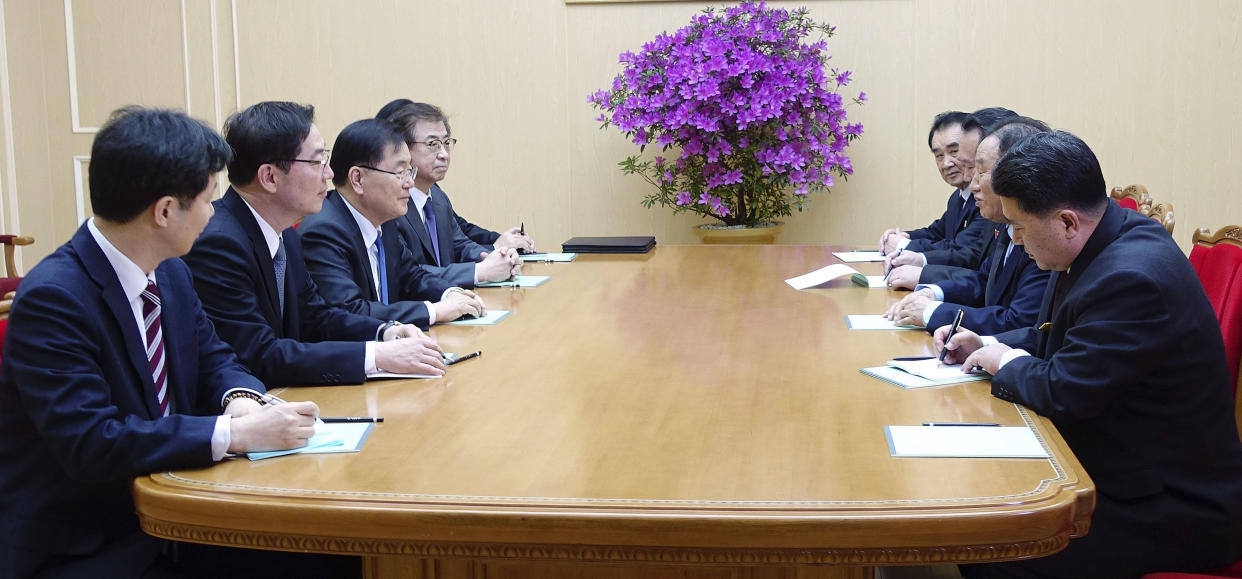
<point x="682" y="413"/>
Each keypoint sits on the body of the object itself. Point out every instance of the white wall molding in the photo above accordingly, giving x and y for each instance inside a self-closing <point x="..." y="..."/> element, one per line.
<point x="72" y="60"/>
<point x="79" y="185"/>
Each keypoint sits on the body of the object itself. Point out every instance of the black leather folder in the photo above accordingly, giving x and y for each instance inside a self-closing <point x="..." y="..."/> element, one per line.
<point x="635" y="244"/>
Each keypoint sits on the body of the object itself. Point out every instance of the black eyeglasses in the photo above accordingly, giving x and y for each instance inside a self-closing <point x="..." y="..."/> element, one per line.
<point x="434" y="144"/>
<point x="410" y="173"/>
<point x="327" y="154"/>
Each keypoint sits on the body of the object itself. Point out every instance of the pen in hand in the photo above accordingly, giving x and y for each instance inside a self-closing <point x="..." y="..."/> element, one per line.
<point x="957" y="323"/>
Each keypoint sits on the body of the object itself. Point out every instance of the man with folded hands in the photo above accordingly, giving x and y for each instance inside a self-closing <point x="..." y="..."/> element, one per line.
<point x="1005" y="291"/>
<point x="353" y="250"/>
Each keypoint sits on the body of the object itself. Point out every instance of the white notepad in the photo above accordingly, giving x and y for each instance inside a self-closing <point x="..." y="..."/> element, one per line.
<point x="826" y="274"/>
<point x="564" y="257"/>
<point x="895" y="375"/>
<point x="873" y="322"/>
<point x="964" y="442"/>
<point x="519" y="281"/>
<point x="488" y="319"/>
<point x="858" y="256"/>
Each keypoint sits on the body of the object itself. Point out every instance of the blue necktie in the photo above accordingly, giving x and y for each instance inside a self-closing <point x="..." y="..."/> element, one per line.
<point x="278" y="264"/>
<point x="429" y="217"/>
<point x="381" y="270"/>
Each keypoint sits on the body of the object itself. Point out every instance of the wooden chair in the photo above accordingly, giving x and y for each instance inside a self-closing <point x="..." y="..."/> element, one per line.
<point x="1137" y="198"/>
<point x="13" y="277"/>
<point x="1217" y="259"/>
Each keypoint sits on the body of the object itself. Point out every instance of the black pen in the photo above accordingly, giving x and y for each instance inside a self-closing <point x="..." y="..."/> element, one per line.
<point x="912" y="358"/>
<point x="464" y="358"/>
<point x="330" y="420"/>
<point x="960" y="424"/>
<point x="892" y="266"/>
<point x="957" y="322"/>
<point x="522" y="229"/>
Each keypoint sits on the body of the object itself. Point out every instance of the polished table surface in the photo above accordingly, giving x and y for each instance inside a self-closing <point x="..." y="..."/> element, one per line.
<point x="684" y="406"/>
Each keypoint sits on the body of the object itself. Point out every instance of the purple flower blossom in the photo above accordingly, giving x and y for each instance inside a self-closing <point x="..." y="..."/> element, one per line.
<point x="744" y="97"/>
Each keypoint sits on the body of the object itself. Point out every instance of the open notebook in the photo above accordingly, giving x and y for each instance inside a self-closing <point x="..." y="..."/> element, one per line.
<point x="923" y="373"/>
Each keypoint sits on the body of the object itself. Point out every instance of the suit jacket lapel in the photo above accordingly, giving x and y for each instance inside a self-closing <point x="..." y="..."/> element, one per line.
<point x="258" y="246"/>
<point x="1000" y="244"/>
<point x="100" y="270"/>
<point x="358" y="245"/>
<point x="444" y="226"/>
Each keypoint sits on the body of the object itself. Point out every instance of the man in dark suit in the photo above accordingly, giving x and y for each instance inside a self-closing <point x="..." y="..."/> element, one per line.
<point x="1005" y="291"/>
<point x="250" y="273"/>
<point x="957" y="237"/>
<point x="111" y="370"/>
<point x="356" y="258"/>
<point x="514" y="237"/>
<point x="448" y="253"/>
<point x="1127" y="361"/>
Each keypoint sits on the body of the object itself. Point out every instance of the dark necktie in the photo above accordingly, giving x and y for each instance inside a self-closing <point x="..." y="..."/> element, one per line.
<point x="429" y="217"/>
<point x="381" y="270"/>
<point x="278" y="265"/>
<point x="1000" y="247"/>
<point x="154" y="332"/>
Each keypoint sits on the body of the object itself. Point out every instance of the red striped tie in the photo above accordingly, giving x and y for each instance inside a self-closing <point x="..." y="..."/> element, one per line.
<point x="155" y="343"/>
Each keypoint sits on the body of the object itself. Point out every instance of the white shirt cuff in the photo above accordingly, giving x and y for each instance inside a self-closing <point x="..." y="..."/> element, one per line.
<point x="431" y="313"/>
<point x="934" y="288"/>
<point x="988" y="340"/>
<point x="928" y="311"/>
<point x="903" y="243"/>
<point x="369" y="359"/>
<point x="221" y="437"/>
<point x="1011" y="355"/>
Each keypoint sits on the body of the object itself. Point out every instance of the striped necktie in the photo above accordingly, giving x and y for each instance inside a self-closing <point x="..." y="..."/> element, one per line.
<point x="155" y="344"/>
<point x="278" y="267"/>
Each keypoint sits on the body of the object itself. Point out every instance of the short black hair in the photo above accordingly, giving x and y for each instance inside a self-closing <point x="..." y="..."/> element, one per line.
<point x="362" y="143"/>
<point x="407" y="115"/>
<point x="267" y="132"/>
<point x="392" y="107"/>
<point x="944" y="120"/>
<point x="1049" y="171"/>
<point x="989" y="118"/>
<point x="1012" y="131"/>
<point x="141" y="155"/>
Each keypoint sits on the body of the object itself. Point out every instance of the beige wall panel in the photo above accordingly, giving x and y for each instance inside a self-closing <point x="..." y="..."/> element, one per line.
<point x="1150" y="84"/>
<point x="127" y="52"/>
<point x="496" y="68"/>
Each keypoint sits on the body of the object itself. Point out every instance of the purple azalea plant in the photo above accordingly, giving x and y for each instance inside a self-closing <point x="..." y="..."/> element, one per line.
<point x="751" y="108"/>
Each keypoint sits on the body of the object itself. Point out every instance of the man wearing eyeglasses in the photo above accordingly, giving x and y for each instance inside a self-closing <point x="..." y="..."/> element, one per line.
<point x="431" y="228"/>
<point x="357" y="259"/>
<point x="251" y="276"/>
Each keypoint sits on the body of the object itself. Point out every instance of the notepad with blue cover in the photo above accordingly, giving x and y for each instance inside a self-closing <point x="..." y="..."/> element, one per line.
<point x="624" y="244"/>
<point x="328" y="438"/>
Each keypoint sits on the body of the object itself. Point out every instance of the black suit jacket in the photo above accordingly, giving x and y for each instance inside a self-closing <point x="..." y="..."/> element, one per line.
<point x="313" y="344"/>
<point x="1001" y="295"/>
<point x="482" y="236"/>
<point x="957" y="238"/>
<point x="458" y="253"/>
<point x="1132" y="371"/>
<point x="337" y="258"/>
<point x="78" y="413"/>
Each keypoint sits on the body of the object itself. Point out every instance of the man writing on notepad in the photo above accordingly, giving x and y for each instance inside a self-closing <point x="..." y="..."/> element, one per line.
<point x="1126" y="358"/>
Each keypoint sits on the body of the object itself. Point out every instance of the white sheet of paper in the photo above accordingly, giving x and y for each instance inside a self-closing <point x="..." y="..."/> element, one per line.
<point x="873" y="322"/>
<point x="931" y="369"/>
<point x="490" y="318"/>
<point x="874" y="281"/>
<point x="565" y="257"/>
<point x="328" y="438"/>
<point x="964" y="442"/>
<point x="822" y="275"/>
<point x="858" y="256"/>
<point x="520" y="281"/>
<point x="910" y="381"/>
